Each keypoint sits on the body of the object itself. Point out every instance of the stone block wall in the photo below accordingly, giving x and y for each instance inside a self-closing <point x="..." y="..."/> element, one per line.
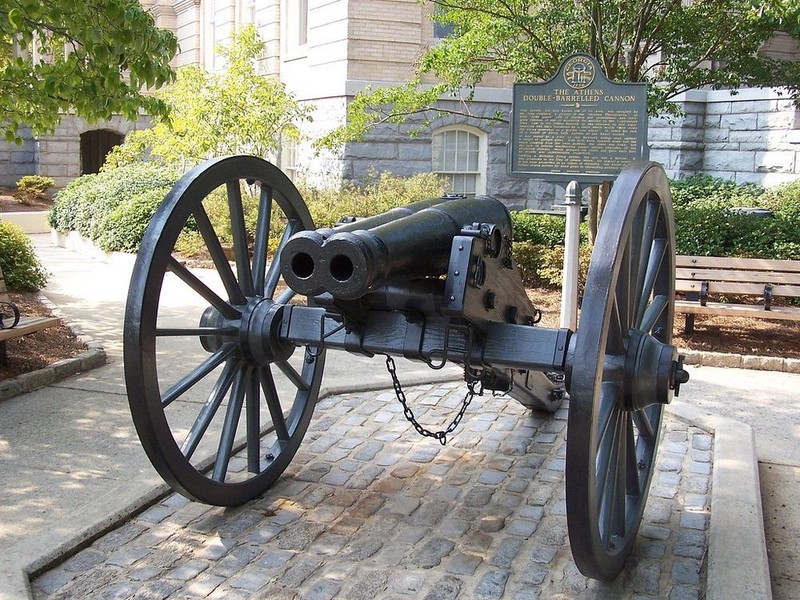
<point x="17" y="161"/>
<point x="752" y="136"/>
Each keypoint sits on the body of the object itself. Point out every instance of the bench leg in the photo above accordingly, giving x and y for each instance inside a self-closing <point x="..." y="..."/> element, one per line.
<point x="688" y="326"/>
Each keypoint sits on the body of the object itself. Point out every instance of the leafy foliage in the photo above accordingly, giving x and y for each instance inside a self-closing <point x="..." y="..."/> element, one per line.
<point x="34" y="184"/>
<point x="21" y="269"/>
<point x="709" y="222"/>
<point x="235" y="111"/>
<point x="670" y="45"/>
<point x="112" y="207"/>
<point x="377" y="194"/>
<point x="93" y="58"/>
<point x="539" y="249"/>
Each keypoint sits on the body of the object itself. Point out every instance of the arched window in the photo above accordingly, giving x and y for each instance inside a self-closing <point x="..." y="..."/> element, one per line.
<point x="459" y="155"/>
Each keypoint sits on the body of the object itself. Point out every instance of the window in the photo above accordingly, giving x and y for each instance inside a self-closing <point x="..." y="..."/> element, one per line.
<point x="459" y="155"/>
<point x="296" y="23"/>
<point x="441" y="30"/>
<point x="288" y="159"/>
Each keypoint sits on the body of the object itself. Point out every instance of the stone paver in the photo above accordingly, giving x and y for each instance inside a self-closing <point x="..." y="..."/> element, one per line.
<point x="392" y="515"/>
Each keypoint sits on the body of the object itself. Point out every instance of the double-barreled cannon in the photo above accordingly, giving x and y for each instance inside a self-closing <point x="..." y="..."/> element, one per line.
<point x="224" y="352"/>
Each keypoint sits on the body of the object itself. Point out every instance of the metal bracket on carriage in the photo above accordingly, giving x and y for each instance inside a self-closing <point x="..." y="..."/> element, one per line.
<point x="9" y="315"/>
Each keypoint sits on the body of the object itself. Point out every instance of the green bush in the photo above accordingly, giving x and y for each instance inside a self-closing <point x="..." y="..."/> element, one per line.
<point x="707" y="188"/>
<point x="33" y="185"/>
<point x="87" y="204"/>
<point x="377" y="194"/>
<point x="708" y="224"/>
<point x="543" y="265"/>
<point x="21" y="268"/>
<point x="539" y="249"/>
<point x="127" y="222"/>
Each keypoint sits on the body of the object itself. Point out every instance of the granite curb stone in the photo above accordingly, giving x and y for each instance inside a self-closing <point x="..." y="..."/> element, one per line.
<point x="94" y="357"/>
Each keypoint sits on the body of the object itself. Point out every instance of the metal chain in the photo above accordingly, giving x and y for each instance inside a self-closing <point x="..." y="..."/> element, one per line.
<point x="441" y="436"/>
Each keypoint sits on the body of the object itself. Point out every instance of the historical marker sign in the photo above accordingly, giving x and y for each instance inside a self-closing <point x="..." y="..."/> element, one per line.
<point x="578" y="125"/>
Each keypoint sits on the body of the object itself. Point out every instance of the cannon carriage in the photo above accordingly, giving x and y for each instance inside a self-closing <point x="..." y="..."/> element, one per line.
<point x="223" y="363"/>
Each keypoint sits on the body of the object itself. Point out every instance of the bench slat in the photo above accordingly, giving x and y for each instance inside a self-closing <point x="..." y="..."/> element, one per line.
<point x="754" y="264"/>
<point x="737" y="310"/>
<point x="749" y="289"/>
<point x="28" y="325"/>
<point x="738" y="276"/>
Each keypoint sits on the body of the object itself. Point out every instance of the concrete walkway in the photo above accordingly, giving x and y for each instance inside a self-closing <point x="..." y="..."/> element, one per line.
<point x="75" y="465"/>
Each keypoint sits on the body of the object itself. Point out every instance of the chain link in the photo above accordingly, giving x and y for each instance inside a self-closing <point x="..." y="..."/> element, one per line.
<point x="441" y="436"/>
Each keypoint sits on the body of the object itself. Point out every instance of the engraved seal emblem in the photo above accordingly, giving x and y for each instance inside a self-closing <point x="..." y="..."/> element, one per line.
<point x="579" y="72"/>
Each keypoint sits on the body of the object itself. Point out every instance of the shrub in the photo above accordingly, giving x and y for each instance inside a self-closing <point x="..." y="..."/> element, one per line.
<point x="707" y="188"/>
<point x="543" y="265"/>
<point x="21" y="268"/>
<point x="127" y="222"/>
<point x="707" y="222"/>
<point x="377" y="194"/>
<point x="36" y="184"/>
<point x="87" y="204"/>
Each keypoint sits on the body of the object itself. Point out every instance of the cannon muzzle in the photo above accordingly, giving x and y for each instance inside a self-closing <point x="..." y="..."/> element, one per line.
<point x="399" y="245"/>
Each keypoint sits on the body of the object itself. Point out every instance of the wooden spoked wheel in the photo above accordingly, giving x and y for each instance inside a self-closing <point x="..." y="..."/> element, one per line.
<point x="623" y="370"/>
<point x="219" y="404"/>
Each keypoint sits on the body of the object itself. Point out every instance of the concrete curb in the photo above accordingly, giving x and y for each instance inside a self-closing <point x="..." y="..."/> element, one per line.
<point x="94" y="357"/>
<point x="741" y="361"/>
<point x="737" y="547"/>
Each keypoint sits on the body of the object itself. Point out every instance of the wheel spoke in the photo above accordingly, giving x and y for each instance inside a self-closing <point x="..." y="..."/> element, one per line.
<point x="253" y="412"/>
<point x="643" y="424"/>
<point x="274" y="272"/>
<point x="637" y="241"/>
<point x="605" y="448"/>
<point x="658" y="250"/>
<point x="239" y="232"/>
<point x="653" y="312"/>
<point x="652" y="211"/>
<point x="616" y="333"/>
<point x="198" y="373"/>
<point x="228" y="434"/>
<point x="214" y="247"/>
<point x="262" y="237"/>
<point x="273" y="403"/>
<point x="622" y="293"/>
<point x="609" y="465"/>
<point x="292" y="375"/>
<point x="209" y="409"/>
<point x="633" y="485"/>
<point x="189" y="278"/>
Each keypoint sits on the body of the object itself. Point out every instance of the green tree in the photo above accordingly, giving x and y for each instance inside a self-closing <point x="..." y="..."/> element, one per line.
<point x="94" y="58"/>
<point x="672" y="45"/>
<point x="213" y="114"/>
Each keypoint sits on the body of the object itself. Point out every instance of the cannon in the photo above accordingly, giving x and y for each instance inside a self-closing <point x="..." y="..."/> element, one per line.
<point x="224" y="356"/>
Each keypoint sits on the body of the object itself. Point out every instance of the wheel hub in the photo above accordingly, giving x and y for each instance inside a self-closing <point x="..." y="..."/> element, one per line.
<point x="259" y="333"/>
<point x="653" y="369"/>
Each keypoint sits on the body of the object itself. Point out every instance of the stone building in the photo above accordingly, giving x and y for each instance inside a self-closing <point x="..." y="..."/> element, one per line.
<point x="327" y="50"/>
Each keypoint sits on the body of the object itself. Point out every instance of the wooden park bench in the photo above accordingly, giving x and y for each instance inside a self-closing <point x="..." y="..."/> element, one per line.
<point x="25" y="325"/>
<point x="702" y="278"/>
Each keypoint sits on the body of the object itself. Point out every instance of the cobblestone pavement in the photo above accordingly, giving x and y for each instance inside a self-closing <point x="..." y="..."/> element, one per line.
<point x="369" y="510"/>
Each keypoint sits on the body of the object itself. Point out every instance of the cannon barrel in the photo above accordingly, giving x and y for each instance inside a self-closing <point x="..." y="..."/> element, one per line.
<point x="351" y="261"/>
<point x="301" y="255"/>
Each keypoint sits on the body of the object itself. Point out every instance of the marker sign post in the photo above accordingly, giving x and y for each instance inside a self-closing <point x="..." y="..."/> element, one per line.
<point x="578" y="127"/>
